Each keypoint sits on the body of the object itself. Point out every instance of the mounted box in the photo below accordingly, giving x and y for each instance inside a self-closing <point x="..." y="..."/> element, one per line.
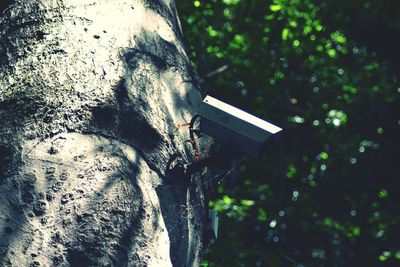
<point x="236" y="128"/>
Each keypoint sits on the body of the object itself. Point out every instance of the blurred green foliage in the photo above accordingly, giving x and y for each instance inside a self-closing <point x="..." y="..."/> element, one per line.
<point x="326" y="72"/>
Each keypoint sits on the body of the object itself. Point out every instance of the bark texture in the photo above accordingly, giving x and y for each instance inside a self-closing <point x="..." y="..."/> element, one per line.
<point x="91" y="92"/>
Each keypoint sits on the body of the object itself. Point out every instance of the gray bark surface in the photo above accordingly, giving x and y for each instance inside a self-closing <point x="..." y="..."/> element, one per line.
<point x="91" y="93"/>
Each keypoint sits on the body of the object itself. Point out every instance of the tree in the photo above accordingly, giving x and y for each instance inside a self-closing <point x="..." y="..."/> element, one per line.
<point x="90" y="96"/>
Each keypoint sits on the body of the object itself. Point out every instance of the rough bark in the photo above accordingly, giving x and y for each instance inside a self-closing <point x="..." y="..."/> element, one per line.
<point x="90" y="96"/>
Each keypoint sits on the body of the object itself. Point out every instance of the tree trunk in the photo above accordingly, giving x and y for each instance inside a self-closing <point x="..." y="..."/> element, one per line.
<point x="90" y="96"/>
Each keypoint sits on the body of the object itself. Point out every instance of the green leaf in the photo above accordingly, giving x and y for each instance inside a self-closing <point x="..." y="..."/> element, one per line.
<point x="275" y="8"/>
<point x="227" y="200"/>
<point x="285" y="34"/>
<point x="247" y="202"/>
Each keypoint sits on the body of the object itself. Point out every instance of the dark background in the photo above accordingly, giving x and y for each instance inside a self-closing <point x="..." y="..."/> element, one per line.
<point x="326" y="72"/>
